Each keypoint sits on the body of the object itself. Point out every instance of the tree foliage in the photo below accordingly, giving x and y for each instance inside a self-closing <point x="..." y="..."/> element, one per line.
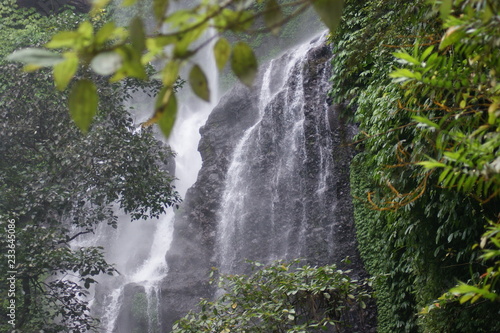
<point x="281" y="297"/>
<point x="58" y="184"/>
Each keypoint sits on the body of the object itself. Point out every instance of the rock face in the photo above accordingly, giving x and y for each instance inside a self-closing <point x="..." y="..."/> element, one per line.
<point x="274" y="182"/>
<point x="191" y="254"/>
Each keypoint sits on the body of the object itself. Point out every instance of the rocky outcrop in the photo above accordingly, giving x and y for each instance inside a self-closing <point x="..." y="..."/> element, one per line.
<point x="274" y="183"/>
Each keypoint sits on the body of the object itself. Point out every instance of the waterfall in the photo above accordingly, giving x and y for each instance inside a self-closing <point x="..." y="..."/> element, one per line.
<point x="264" y="214"/>
<point x="130" y="301"/>
<point x="274" y="183"/>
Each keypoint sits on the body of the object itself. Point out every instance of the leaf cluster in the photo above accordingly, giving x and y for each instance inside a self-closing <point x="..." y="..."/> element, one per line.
<point x="118" y="52"/>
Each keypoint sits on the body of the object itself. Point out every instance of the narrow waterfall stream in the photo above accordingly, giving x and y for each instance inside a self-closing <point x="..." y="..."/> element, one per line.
<point x="138" y="248"/>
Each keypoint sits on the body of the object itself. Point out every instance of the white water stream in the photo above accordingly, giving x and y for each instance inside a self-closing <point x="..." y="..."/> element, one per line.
<point x="138" y="248"/>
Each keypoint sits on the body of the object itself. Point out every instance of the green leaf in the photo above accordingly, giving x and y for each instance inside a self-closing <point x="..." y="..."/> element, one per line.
<point x="425" y="121"/>
<point x="234" y="20"/>
<point x="403" y="73"/>
<point x="160" y="8"/>
<point x="137" y="35"/>
<point x="63" y="39"/>
<point x="98" y="4"/>
<point x="131" y="66"/>
<point x="34" y="56"/>
<point x="106" y="63"/>
<point x="222" y="52"/>
<point x="273" y="16"/>
<point x="105" y="33"/>
<point x="65" y="70"/>
<point x="199" y="83"/>
<point x="427" y="52"/>
<point x="406" y="58"/>
<point x="452" y="36"/>
<point x="168" y="115"/>
<point x="431" y="164"/>
<point x="86" y="30"/>
<point x="170" y="73"/>
<point x="83" y="104"/>
<point x="329" y="11"/>
<point x="244" y="63"/>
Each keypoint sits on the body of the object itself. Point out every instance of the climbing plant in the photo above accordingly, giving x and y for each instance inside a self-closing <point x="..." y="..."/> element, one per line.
<point x="425" y="176"/>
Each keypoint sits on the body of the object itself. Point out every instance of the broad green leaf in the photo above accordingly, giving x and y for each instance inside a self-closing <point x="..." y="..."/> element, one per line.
<point x="425" y="121"/>
<point x="34" y="56"/>
<point x="160" y="8"/>
<point x="234" y="20"/>
<point x="99" y="4"/>
<point x="199" y="83"/>
<point x="492" y="112"/>
<point x="181" y="49"/>
<point x="273" y="16"/>
<point x="63" y="39"/>
<point x="402" y="73"/>
<point x="329" y="11"/>
<point x="83" y="104"/>
<point x="131" y="66"/>
<point x="452" y="35"/>
<point x="427" y="52"/>
<point x="406" y="58"/>
<point x="86" y="30"/>
<point x="222" y="52"/>
<point x="168" y="112"/>
<point x="170" y="73"/>
<point x="432" y="164"/>
<point x="137" y="35"/>
<point x="65" y="70"/>
<point x="244" y="63"/>
<point x="105" y="33"/>
<point x="106" y="63"/>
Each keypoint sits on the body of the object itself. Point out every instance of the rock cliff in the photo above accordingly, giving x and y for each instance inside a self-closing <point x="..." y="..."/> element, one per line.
<point x="274" y="182"/>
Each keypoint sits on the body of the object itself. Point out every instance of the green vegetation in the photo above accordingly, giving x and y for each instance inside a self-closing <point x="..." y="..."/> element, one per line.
<point x="58" y="184"/>
<point x="426" y="178"/>
<point x="421" y="79"/>
<point x="281" y="297"/>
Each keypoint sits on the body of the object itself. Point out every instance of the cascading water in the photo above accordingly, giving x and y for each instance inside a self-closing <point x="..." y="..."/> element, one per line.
<point x="263" y="214"/>
<point x="138" y="249"/>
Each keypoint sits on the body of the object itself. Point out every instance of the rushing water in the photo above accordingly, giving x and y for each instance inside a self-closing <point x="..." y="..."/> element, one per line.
<point x="264" y="213"/>
<point x="138" y="248"/>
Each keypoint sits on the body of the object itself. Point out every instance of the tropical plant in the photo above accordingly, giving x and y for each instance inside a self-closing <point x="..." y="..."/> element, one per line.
<point x="281" y="297"/>
<point x="461" y="117"/>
